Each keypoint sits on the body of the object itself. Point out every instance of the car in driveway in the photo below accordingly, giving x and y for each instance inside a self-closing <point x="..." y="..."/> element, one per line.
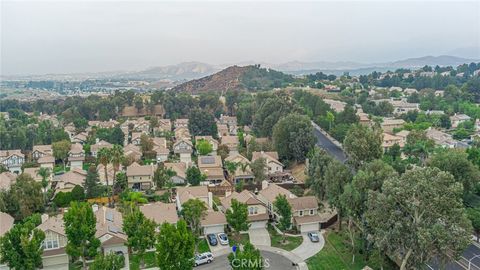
<point x="206" y="257"/>
<point x="223" y="239"/>
<point x="212" y="239"/>
<point x="313" y="237"/>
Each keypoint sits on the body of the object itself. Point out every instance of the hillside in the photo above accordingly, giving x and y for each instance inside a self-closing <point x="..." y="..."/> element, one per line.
<point x="251" y="77"/>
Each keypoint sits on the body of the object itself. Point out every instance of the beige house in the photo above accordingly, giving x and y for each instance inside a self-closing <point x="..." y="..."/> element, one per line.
<point x="76" y="156"/>
<point x="160" y="147"/>
<point x="39" y="151"/>
<point x="222" y="130"/>
<point x="231" y="122"/>
<point x="271" y="158"/>
<point x="7" y="179"/>
<point x="269" y="194"/>
<point x="6" y="223"/>
<point x="33" y="172"/>
<point x="182" y="133"/>
<point x="163" y="125"/>
<point x="257" y="211"/>
<point x="243" y="171"/>
<point x="160" y="212"/>
<point x="47" y="162"/>
<point x="214" y="222"/>
<point x="211" y="166"/>
<point x="101" y="174"/>
<point x="80" y="138"/>
<point x="109" y="231"/>
<point x="136" y="138"/>
<point x="389" y="124"/>
<point x="390" y="140"/>
<point x="67" y="181"/>
<point x="184" y="148"/>
<point x="441" y="138"/>
<point x="12" y="160"/>
<point x="140" y="177"/>
<point x="54" y="254"/>
<point x="94" y="148"/>
<point x="180" y="168"/>
<point x="232" y="143"/>
<point x="132" y="151"/>
<point x="181" y="123"/>
<point x="305" y="213"/>
<point x="214" y="143"/>
<point x="193" y="192"/>
<point x="457" y="119"/>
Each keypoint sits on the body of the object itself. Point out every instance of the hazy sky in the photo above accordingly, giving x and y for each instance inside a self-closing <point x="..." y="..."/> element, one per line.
<point x="80" y="36"/>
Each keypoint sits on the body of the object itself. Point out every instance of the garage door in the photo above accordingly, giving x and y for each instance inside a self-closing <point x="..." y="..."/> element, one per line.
<point x="309" y="227"/>
<point x="213" y="229"/>
<point x="258" y="224"/>
<point x="58" y="262"/>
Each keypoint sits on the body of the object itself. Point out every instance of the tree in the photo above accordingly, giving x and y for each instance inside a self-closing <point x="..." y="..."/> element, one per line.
<point x="247" y="259"/>
<point x="362" y="144"/>
<point x="204" y="147"/>
<point x="202" y="123"/>
<point x="45" y="174"/>
<point x="337" y="175"/>
<point x="195" y="176"/>
<point x="80" y="222"/>
<point x="418" y="145"/>
<point x="111" y="261"/>
<point x="24" y="198"/>
<point x="146" y="144"/>
<point x="116" y="158"/>
<point x="319" y="160"/>
<point x="162" y="175"/>
<point x="193" y="211"/>
<point x="138" y="101"/>
<point x="258" y="169"/>
<point x="133" y="199"/>
<point x="78" y="193"/>
<point x="140" y="231"/>
<point x="330" y="118"/>
<point x="60" y="150"/>
<point x="231" y="167"/>
<point x="223" y="151"/>
<point x="284" y="210"/>
<point x="456" y="162"/>
<point x="419" y="216"/>
<point x="237" y="217"/>
<point x="21" y="246"/>
<point x="293" y="137"/>
<point x="175" y="247"/>
<point x="92" y="188"/>
<point x="116" y="136"/>
<point x="121" y="184"/>
<point x="474" y="216"/>
<point x="104" y="157"/>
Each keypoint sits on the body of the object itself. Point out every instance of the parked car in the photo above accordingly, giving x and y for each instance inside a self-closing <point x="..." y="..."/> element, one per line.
<point x="223" y="238"/>
<point x="313" y="236"/>
<point x="212" y="239"/>
<point x="206" y="257"/>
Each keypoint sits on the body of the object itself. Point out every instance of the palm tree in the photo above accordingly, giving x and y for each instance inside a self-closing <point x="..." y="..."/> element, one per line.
<point x="116" y="157"/>
<point x="44" y="173"/>
<point x="104" y="158"/>
<point x="133" y="199"/>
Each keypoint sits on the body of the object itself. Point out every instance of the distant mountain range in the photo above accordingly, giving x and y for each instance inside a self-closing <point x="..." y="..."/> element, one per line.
<point x="193" y="70"/>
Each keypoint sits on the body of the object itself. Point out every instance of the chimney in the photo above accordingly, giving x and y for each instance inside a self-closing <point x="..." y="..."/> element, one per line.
<point x="44" y="217"/>
<point x="210" y="200"/>
<point x="264" y="184"/>
<point x="95" y="207"/>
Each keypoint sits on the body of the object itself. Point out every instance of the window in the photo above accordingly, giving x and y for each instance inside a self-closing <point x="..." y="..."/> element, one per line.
<point x="311" y="212"/>
<point x="51" y="241"/>
<point x="300" y="213"/>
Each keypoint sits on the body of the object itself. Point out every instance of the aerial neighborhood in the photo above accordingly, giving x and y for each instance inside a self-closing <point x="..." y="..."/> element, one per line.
<point x="289" y="170"/>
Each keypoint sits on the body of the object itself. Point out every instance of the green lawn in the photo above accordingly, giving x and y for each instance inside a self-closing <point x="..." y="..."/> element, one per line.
<point x="336" y="255"/>
<point x="149" y="259"/>
<point x="203" y="246"/>
<point x="277" y="240"/>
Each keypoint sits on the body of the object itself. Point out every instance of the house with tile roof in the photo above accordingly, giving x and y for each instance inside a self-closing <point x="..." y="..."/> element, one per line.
<point x="12" y="160"/>
<point x="271" y="158"/>
<point x="180" y="169"/>
<point x="54" y="246"/>
<point x="213" y="222"/>
<point x="109" y="230"/>
<point x="76" y="156"/>
<point x="193" y="192"/>
<point x="257" y="211"/>
<point x="39" y="151"/>
<point x="243" y="171"/>
<point x="214" y="143"/>
<point x="7" y="179"/>
<point x="6" y="223"/>
<point x="94" y="148"/>
<point x="232" y="143"/>
<point x="140" y="177"/>
<point x="212" y="167"/>
<point x="160" y="148"/>
<point x="160" y="212"/>
<point x="184" y="148"/>
<point x="182" y="122"/>
<point x="67" y="181"/>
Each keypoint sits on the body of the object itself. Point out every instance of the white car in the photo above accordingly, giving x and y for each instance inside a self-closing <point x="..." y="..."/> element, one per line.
<point x="206" y="257"/>
<point x="223" y="239"/>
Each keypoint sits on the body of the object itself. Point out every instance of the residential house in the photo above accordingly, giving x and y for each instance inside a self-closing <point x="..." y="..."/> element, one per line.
<point x="441" y="138"/>
<point x="389" y="124"/>
<point x="95" y="148"/>
<point x="160" y="212"/>
<point x="336" y="105"/>
<point x="390" y="140"/>
<point x="67" y="181"/>
<point x="132" y="152"/>
<point x="33" y="172"/>
<point x="231" y="122"/>
<point x="213" y="222"/>
<point x="7" y="179"/>
<point x="103" y="124"/>
<point x="180" y="168"/>
<point x="211" y="166"/>
<point x="76" y="156"/>
<point x="193" y="192"/>
<point x="12" y="160"/>
<point x="243" y="171"/>
<point x="54" y="253"/>
<point x="184" y="148"/>
<point x="140" y="177"/>
<point x="47" y="162"/>
<point x="232" y="143"/>
<point x="101" y="174"/>
<point x="457" y="119"/>
<point x="6" y="223"/>
<point x="70" y="130"/>
<point x="160" y="147"/>
<point x="80" y="138"/>
<point x="109" y="230"/>
<point x="39" y="151"/>
<point x="222" y="130"/>
<point x="163" y="125"/>
<point x="269" y="194"/>
<point x="182" y="133"/>
<point x="305" y="213"/>
<point x="257" y="211"/>
<point x="180" y="123"/>
<point x="271" y="158"/>
<point x="410" y="91"/>
<point x="136" y="138"/>
<point x="214" y="143"/>
<point x="402" y="106"/>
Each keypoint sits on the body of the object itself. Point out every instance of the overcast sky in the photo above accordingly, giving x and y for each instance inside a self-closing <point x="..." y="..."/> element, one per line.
<point x="84" y="36"/>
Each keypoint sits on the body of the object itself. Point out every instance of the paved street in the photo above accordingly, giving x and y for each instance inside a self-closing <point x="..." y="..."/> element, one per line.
<point x="275" y="262"/>
<point x="329" y="146"/>
<point x="471" y="254"/>
<point x="308" y="249"/>
<point x="259" y="236"/>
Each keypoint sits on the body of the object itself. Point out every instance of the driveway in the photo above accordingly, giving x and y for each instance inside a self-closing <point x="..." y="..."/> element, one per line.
<point x="308" y="249"/>
<point x="259" y="237"/>
<point x="219" y="250"/>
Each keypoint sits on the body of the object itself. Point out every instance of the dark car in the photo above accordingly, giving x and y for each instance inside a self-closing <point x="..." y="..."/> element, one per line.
<point x="212" y="239"/>
<point x="313" y="236"/>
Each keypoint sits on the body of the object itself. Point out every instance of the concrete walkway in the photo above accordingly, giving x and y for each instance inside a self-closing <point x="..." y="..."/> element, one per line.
<point x="259" y="237"/>
<point x="308" y="249"/>
<point x="287" y="254"/>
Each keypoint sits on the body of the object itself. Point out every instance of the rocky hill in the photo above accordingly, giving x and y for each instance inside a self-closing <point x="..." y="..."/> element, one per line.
<point x="251" y="77"/>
